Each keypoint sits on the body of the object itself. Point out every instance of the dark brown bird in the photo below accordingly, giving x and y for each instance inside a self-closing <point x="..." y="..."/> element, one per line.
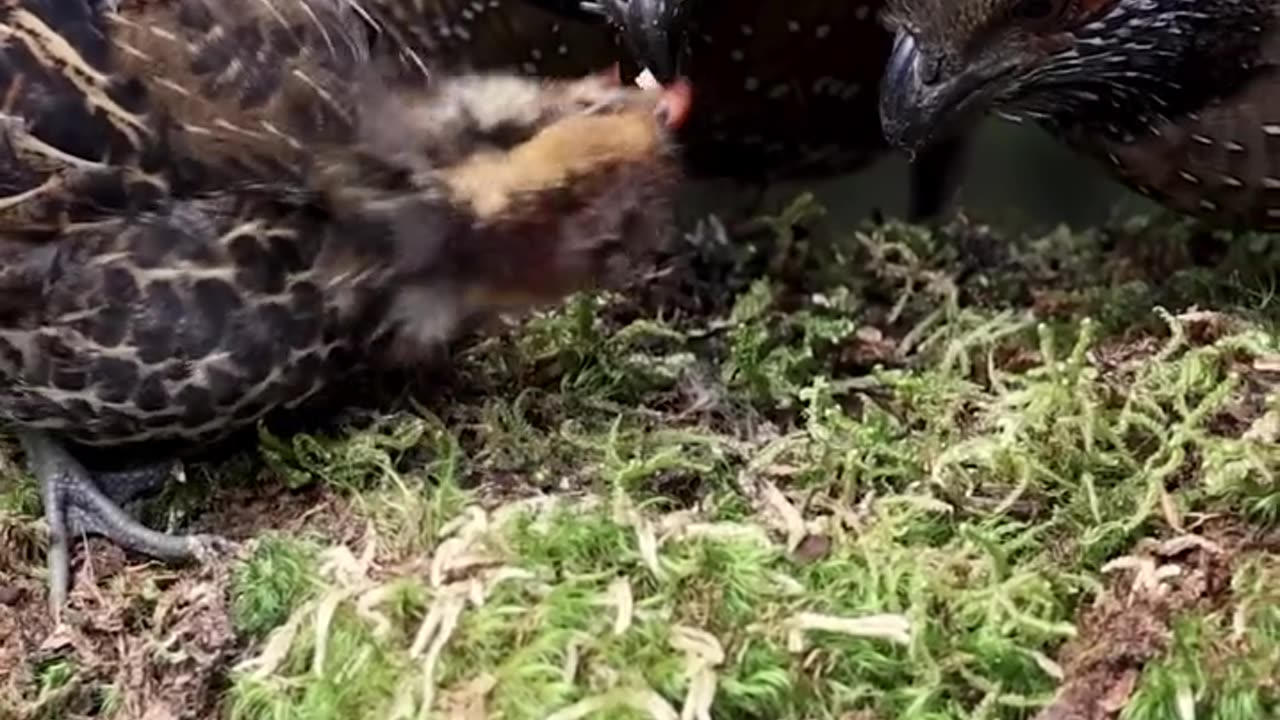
<point x="1180" y="98"/>
<point x="782" y="91"/>
<point x="218" y="208"/>
<point x="542" y="38"/>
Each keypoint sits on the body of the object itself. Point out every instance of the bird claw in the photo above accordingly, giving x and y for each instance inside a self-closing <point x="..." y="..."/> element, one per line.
<point x="206" y="548"/>
<point x="75" y="505"/>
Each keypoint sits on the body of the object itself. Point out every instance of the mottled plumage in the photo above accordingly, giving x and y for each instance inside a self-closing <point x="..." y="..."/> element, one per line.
<point x="217" y="208"/>
<point x="1180" y="98"/>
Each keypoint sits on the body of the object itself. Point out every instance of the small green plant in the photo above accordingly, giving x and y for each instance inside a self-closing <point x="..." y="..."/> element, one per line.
<point x="276" y="578"/>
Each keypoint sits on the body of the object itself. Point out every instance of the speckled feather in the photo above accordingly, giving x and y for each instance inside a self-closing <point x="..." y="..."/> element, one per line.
<point x="784" y="90"/>
<point x="230" y="86"/>
<point x="1179" y="98"/>
<point x="1216" y="156"/>
<point x="380" y="220"/>
<point x="186" y="322"/>
<point x="955" y="26"/>
<point x="508" y="35"/>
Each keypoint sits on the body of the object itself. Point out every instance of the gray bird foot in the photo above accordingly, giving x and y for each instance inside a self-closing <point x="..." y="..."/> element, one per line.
<point x="75" y="505"/>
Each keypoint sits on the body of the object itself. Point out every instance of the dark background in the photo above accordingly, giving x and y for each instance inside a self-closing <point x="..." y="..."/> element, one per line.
<point x="1018" y="179"/>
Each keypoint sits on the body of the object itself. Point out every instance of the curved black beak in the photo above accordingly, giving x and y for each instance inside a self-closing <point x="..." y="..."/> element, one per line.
<point x="905" y="97"/>
<point x="654" y="30"/>
<point x="922" y="104"/>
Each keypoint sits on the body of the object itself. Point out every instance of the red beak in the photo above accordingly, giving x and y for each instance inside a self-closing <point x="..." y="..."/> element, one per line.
<point x="676" y="102"/>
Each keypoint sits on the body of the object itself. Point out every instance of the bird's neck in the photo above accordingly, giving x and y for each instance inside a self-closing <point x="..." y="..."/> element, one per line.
<point x="1148" y="62"/>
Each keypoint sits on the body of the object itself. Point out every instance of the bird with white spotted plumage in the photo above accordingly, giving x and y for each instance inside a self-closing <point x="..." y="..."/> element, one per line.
<point x="544" y="38"/>
<point x="781" y="90"/>
<point x="1179" y="98"/>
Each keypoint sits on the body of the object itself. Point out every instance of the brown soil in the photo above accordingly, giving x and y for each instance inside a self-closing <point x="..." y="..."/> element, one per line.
<point x="160" y="637"/>
<point x="1130" y="622"/>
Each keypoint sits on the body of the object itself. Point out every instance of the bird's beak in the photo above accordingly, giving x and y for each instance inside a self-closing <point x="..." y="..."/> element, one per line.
<point x="655" y="32"/>
<point x="675" y="99"/>
<point x="920" y="105"/>
<point x="675" y="103"/>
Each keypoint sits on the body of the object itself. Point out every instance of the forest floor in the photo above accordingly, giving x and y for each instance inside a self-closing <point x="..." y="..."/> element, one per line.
<point x="876" y="473"/>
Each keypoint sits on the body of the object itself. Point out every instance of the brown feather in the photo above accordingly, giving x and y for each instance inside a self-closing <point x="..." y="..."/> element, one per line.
<point x="309" y="215"/>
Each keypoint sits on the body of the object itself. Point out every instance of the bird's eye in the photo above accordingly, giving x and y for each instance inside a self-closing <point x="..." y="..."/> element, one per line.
<point x="1034" y="9"/>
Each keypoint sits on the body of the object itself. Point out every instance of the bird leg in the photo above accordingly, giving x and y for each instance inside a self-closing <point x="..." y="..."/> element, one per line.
<point x="120" y="487"/>
<point x="74" y="504"/>
<point x="935" y="177"/>
<point x="123" y="486"/>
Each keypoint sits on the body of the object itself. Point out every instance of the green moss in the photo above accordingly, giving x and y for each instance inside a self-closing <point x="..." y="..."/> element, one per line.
<point x="971" y="481"/>
<point x="272" y="582"/>
<point x="947" y="430"/>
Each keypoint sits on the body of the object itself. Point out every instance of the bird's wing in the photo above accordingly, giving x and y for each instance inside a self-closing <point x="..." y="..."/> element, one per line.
<point x="263" y="77"/>
<point x="105" y="331"/>
<point x="1221" y="162"/>
<point x="66" y="125"/>
<point x="110" y="107"/>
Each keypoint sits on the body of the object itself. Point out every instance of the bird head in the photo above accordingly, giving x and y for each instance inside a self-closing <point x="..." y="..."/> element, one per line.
<point x="499" y="192"/>
<point x="1107" y="62"/>
<point x="655" y="32"/>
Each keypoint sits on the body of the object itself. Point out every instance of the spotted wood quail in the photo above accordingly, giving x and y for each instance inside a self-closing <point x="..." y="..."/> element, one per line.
<point x="1180" y="98"/>
<point x="781" y="90"/>
<point x="216" y="208"/>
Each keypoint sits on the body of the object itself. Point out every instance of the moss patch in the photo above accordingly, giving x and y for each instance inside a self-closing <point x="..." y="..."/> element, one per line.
<point x="810" y="472"/>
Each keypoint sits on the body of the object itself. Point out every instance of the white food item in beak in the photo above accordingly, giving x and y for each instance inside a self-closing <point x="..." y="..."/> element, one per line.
<point x="646" y="81"/>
